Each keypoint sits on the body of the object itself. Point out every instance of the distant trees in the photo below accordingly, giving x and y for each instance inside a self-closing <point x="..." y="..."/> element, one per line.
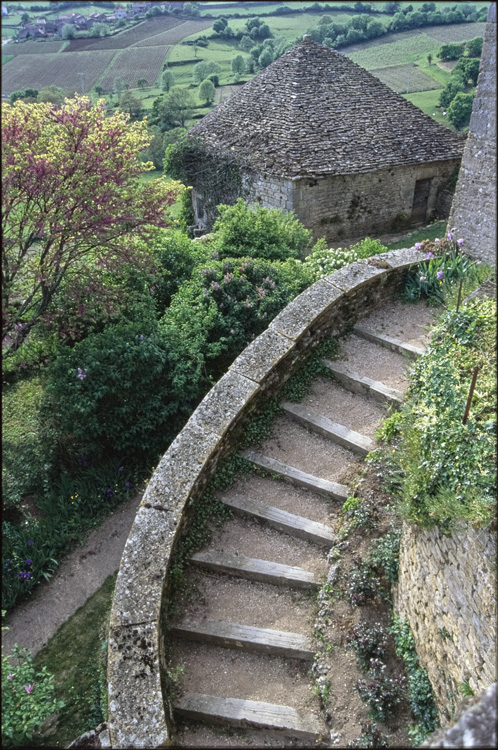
<point x="469" y="68"/>
<point x="452" y="51"/>
<point x="52" y="95"/>
<point x="460" y="110"/>
<point x="142" y="82"/>
<point x="118" y="86"/>
<point x="173" y="109"/>
<point x="29" y="95"/>
<point x="68" y="31"/>
<point x="207" y="91"/>
<point x="167" y="80"/>
<point x="474" y="46"/>
<point x="238" y="66"/>
<point x="99" y="29"/>
<point x="99" y="90"/>
<point x="129" y="103"/>
<point x="203" y="70"/>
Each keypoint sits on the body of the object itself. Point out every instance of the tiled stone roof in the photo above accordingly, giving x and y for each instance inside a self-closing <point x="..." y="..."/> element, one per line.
<point x="314" y="112"/>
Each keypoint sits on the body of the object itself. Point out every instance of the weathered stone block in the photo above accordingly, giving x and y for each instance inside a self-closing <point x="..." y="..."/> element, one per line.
<point x="262" y="355"/>
<point x="304" y="310"/>
<point x="221" y="406"/>
<point x="136" y="711"/>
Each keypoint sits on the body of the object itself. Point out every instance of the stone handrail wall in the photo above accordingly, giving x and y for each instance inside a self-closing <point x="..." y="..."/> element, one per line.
<point x="140" y="712"/>
<point x="447" y="592"/>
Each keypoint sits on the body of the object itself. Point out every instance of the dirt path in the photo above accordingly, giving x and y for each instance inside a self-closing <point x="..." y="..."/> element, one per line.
<point x="33" y="623"/>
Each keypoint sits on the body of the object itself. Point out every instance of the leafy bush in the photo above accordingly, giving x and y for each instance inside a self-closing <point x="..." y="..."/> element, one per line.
<point x="389" y="428"/>
<point x="449" y="470"/>
<point x="381" y="693"/>
<point x="384" y="554"/>
<point x="368" y="641"/>
<point x="435" y="278"/>
<point x="371" y="736"/>
<point x="28" y="698"/>
<point x="323" y="261"/>
<point x="420" y="693"/>
<point x="127" y="389"/>
<point x="228" y="303"/>
<point x="363" y="586"/>
<point x="460" y="110"/>
<point x="269" y="233"/>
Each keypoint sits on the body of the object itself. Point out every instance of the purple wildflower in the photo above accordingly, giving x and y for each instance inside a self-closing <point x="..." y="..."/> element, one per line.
<point x="460" y="242"/>
<point x="28" y="562"/>
<point x="423" y="278"/>
<point x="128" y="485"/>
<point x="430" y="255"/>
<point x="418" y="246"/>
<point x="29" y="688"/>
<point x="81" y="375"/>
<point x="437" y="241"/>
<point x="109" y="492"/>
<point x="30" y="542"/>
<point x="121" y="468"/>
<point x="449" y="237"/>
<point x="10" y="676"/>
<point x="440" y="274"/>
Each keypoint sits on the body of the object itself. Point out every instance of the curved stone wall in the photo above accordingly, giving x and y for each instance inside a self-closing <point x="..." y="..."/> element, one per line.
<point x="140" y="713"/>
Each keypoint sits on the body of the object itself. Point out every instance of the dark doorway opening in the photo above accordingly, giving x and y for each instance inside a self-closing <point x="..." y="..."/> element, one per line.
<point x="420" y="201"/>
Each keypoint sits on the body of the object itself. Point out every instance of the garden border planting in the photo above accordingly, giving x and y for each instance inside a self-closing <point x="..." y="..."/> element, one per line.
<point x="140" y="712"/>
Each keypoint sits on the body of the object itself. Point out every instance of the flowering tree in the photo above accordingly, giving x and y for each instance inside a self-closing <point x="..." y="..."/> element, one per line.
<point x="71" y="199"/>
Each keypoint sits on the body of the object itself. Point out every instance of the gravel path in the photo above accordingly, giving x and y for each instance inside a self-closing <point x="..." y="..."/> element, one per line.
<point x="32" y="623"/>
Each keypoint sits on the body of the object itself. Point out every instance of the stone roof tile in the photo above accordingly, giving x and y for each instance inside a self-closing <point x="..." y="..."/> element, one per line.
<point x="314" y="112"/>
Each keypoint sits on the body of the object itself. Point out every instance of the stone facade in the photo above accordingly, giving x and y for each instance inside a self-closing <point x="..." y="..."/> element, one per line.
<point x="346" y="206"/>
<point x="447" y="592"/>
<point x="473" y="212"/>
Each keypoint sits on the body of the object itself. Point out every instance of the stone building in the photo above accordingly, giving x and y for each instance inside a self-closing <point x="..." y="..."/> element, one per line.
<point x="317" y="134"/>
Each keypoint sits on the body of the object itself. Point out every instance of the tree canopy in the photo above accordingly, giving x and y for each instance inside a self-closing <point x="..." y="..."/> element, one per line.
<point x="71" y="196"/>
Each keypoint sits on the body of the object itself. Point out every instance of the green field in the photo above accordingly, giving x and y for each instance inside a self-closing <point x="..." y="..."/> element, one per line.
<point x="411" y="49"/>
<point x="6" y="58"/>
<point x="428" y="102"/>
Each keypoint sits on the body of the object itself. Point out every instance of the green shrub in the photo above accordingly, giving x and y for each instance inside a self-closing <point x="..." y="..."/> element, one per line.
<point x="420" y="693"/>
<point x="384" y="554"/>
<point x="269" y="233"/>
<point x="28" y="698"/>
<point x="128" y="389"/>
<point x="323" y="261"/>
<point x="449" y="470"/>
<point x="228" y="303"/>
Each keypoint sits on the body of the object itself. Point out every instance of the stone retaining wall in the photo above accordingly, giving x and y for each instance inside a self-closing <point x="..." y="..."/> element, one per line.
<point x="140" y="713"/>
<point x="447" y="592"/>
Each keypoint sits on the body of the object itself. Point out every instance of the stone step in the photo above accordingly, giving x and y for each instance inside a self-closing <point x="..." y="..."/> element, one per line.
<point x="354" y="441"/>
<point x="282" y="520"/>
<point x="395" y="345"/>
<point x="256" y="570"/>
<point x="363" y="385"/>
<point x="298" y="477"/>
<point x="233" y="635"/>
<point x="240" y="713"/>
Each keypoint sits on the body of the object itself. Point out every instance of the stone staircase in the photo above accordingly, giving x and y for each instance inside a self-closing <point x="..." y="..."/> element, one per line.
<point x="245" y="636"/>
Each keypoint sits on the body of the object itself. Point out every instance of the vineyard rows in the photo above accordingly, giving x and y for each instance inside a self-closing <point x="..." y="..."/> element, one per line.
<point x="57" y="70"/>
<point x="32" y="48"/>
<point x="173" y="36"/>
<point x="401" y="78"/>
<point x="461" y="32"/>
<point x="130" y="37"/>
<point x="135" y="63"/>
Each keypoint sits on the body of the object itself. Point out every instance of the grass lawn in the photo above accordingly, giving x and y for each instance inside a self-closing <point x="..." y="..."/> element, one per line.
<point x="412" y="49"/>
<point x="77" y="657"/>
<point x="6" y="58"/>
<point x="428" y="102"/>
<point x="437" y="229"/>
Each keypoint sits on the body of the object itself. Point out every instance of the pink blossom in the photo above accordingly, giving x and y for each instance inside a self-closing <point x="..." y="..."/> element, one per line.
<point x="29" y="688"/>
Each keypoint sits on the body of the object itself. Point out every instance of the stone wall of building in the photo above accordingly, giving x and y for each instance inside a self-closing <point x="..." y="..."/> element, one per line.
<point x="348" y="206"/>
<point x="140" y="713"/>
<point x="447" y="591"/>
<point x="473" y="212"/>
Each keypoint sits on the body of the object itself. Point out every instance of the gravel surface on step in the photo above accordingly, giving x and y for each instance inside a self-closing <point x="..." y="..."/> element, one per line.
<point x="253" y="539"/>
<point x="350" y="409"/>
<point x="407" y="322"/>
<point x="32" y="623"/>
<point x="307" y="451"/>
<point x="202" y="735"/>
<point x="375" y="362"/>
<point x="236" y="600"/>
<point x="228" y="673"/>
<point x="284" y="496"/>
